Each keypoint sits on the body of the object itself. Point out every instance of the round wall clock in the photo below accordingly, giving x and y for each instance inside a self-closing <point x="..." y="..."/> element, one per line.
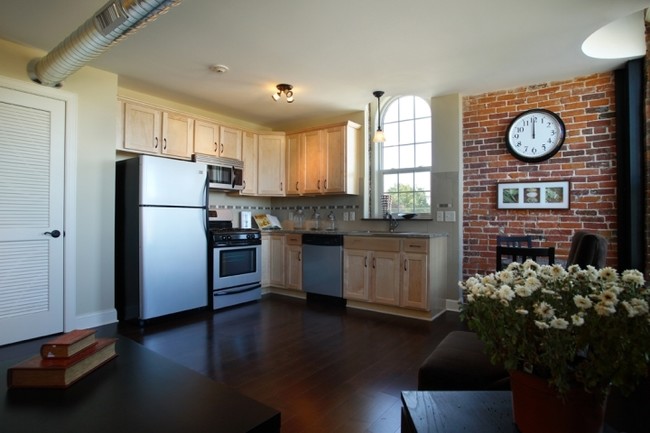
<point x="535" y="135"/>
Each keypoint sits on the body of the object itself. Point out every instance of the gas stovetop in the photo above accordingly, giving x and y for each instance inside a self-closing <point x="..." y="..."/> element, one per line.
<point x="224" y="234"/>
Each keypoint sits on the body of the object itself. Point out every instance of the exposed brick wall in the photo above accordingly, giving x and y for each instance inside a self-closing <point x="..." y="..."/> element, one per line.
<point x="587" y="159"/>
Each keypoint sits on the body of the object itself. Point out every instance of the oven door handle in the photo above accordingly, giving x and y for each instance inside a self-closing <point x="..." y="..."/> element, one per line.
<point x="236" y="290"/>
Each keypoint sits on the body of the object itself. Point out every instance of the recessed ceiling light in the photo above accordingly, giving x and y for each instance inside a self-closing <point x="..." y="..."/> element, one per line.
<point x="219" y="69"/>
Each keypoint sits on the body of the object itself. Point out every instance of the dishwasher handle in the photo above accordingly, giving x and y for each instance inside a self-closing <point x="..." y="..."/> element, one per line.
<point x="322" y="239"/>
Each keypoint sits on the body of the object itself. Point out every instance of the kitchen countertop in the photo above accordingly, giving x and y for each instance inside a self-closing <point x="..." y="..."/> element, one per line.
<point x="359" y="233"/>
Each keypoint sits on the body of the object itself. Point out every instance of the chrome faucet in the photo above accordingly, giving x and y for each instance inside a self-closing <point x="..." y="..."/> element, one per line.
<point x="392" y="223"/>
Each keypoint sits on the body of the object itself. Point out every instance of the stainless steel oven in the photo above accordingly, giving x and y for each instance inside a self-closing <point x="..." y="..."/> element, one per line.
<point x="236" y="266"/>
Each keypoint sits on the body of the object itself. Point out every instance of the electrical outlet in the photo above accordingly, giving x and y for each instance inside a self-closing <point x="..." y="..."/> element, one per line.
<point x="346" y="216"/>
<point x="440" y="215"/>
<point x="450" y="216"/>
<point x="353" y="215"/>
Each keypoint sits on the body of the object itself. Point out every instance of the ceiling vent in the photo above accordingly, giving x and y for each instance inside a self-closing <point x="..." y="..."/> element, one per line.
<point x="114" y="21"/>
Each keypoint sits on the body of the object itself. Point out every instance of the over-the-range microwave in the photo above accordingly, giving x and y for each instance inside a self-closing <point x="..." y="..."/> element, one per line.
<point x="226" y="174"/>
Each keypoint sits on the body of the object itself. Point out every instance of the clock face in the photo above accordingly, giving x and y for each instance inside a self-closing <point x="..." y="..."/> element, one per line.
<point x="535" y="135"/>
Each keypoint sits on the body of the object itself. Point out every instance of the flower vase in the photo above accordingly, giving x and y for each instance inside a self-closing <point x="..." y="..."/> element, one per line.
<point x="537" y="407"/>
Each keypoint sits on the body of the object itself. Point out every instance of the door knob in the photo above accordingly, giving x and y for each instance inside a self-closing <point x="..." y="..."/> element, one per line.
<point x="53" y="233"/>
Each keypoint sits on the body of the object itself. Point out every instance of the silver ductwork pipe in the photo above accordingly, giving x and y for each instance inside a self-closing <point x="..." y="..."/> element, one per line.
<point x="112" y="23"/>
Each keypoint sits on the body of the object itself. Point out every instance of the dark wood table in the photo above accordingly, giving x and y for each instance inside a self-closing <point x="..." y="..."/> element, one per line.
<point x="139" y="391"/>
<point x="459" y="412"/>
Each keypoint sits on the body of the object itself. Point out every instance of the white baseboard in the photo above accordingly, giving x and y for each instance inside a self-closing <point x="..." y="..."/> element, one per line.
<point x="452" y="305"/>
<point x="95" y="320"/>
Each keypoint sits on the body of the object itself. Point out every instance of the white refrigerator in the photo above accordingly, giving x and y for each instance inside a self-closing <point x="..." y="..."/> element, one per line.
<point x="161" y="249"/>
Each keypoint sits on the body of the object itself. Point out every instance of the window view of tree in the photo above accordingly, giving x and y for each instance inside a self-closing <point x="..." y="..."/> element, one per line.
<point x="406" y="200"/>
<point x="405" y="158"/>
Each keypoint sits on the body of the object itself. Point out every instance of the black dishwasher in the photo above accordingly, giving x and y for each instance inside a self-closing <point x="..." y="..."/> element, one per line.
<point x="322" y="264"/>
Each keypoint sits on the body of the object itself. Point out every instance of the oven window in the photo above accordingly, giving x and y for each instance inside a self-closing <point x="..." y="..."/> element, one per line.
<point x="237" y="261"/>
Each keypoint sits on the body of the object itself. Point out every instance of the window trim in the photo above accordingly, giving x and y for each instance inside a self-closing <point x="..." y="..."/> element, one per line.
<point x="377" y="186"/>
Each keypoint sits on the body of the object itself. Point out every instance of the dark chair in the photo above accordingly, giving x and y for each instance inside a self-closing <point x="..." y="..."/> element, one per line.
<point x="515" y="241"/>
<point x="587" y="249"/>
<point x="521" y="254"/>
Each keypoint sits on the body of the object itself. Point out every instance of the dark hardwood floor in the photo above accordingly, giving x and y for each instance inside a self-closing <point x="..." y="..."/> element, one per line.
<point x="326" y="368"/>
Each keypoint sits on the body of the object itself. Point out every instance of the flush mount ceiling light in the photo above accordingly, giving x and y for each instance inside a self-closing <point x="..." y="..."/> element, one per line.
<point x="620" y="39"/>
<point x="379" y="135"/>
<point x="286" y="89"/>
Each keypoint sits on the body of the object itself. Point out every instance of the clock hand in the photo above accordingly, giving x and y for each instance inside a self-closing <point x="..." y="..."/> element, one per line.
<point x="534" y="121"/>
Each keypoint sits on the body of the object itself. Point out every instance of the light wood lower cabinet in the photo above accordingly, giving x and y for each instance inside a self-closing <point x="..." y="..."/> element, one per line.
<point x="293" y="262"/>
<point x="356" y="275"/>
<point x="399" y="272"/>
<point x="371" y="269"/>
<point x="275" y="259"/>
<point x="282" y="260"/>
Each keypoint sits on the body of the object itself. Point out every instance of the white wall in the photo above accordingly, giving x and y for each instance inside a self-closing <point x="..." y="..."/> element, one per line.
<point x="93" y="282"/>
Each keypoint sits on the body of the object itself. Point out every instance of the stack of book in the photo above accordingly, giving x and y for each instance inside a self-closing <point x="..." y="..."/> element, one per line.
<point x="63" y="361"/>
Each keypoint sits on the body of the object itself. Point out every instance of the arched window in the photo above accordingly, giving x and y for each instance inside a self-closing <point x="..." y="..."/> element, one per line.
<point x="404" y="159"/>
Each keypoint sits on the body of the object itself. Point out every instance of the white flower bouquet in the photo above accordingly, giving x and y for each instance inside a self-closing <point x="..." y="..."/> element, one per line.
<point x="574" y="327"/>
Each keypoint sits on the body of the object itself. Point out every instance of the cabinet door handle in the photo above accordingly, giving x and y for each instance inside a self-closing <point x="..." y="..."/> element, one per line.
<point x="318" y="185"/>
<point x="243" y="183"/>
<point x="325" y="184"/>
<point x="300" y="256"/>
<point x="216" y="146"/>
<point x="165" y="143"/>
<point x="155" y="142"/>
<point x="374" y="262"/>
<point x="281" y="186"/>
<point x="405" y="263"/>
<point x="297" y="189"/>
<point x="365" y="262"/>
<point x="221" y="151"/>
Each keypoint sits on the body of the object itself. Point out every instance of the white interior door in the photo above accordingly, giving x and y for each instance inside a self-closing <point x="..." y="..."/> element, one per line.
<point x="32" y="143"/>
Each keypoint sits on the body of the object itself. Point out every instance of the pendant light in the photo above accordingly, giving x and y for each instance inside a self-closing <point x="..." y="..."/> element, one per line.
<point x="379" y="134"/>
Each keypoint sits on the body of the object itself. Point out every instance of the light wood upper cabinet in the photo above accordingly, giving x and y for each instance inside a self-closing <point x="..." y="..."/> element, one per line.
<point x="249" y="156"/>
<point x="271" y="164"/>
<point x="338" y="167"/>
<point x="217" y="140"/>
<point x="206" y="138"/>
<point x="317" y="161"/>
<point x="231" y="142"/>
<point x="177" y="137"/>
<point x="324" y="160"/>
<point x="295" y="172"/>
<point x="150" y="130"/>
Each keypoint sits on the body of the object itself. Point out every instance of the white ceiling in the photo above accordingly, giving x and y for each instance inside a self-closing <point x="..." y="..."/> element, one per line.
<point x="334" y="52"/>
